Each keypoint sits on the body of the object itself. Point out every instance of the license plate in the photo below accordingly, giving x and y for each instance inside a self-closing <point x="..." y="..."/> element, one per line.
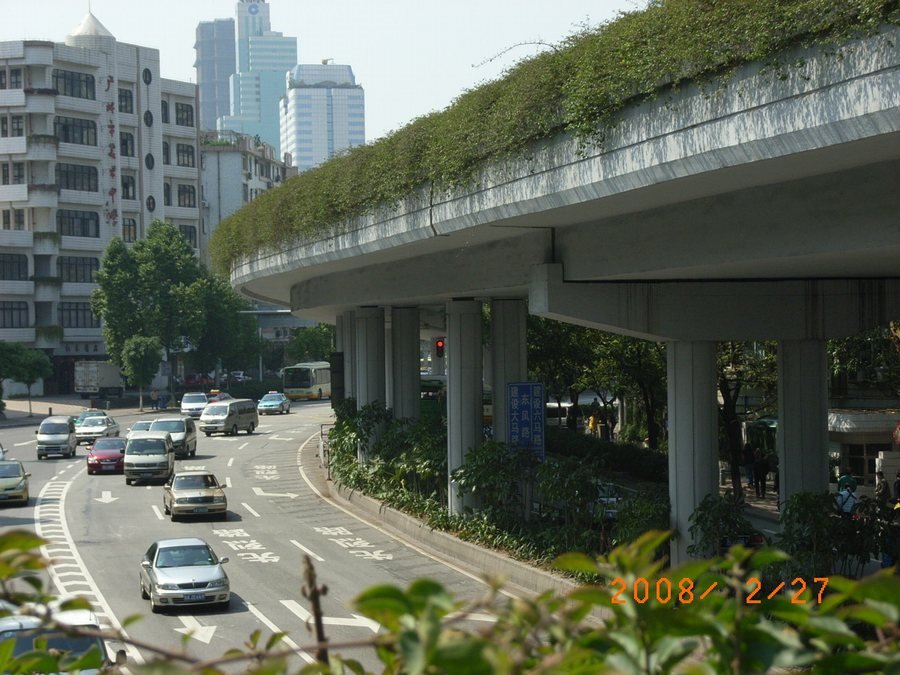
<point x="195" y="597"/>
<point x="201" y="509"/>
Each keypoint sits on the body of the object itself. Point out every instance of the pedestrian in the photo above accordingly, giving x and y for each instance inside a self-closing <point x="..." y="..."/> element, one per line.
<point x="760" y="473"/>
<point x="748" y="457"/>
<point x="154" y="399"/>
<point x="592" y="425"/>
<point x="882" y="492"/>
<point x="846" y="480"/>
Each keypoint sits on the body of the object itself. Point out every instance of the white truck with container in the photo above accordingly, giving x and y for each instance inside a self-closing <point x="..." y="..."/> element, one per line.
<point x="98" y="379"/>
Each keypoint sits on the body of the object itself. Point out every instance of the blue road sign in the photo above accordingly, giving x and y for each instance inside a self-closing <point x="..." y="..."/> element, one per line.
<point x="525" y="406"/>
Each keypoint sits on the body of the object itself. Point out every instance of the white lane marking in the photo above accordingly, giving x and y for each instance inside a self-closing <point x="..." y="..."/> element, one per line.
<point x="228" y="481"/>
<point x="275" y="629"/>
<point x="385" y="532"/>
<point x="307" y="551"/>
<point x="158" y="513"/>
<point x="19" y="445"/>
<point x="193" y="467"/>
<point x="244" y="445"/>
<point x="195" y="629"/>
<point x="230" y="461"/>
<point x="305" y="615"/>
<point x="50" y="523"/>
<point x="259" y="493"/>
<point x="105" y="498"/>
<point x="280" y="438"/>
<point x="250" y="509"/>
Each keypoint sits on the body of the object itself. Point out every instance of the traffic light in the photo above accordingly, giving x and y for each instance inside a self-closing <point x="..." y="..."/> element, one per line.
<point x="439" y="348"/>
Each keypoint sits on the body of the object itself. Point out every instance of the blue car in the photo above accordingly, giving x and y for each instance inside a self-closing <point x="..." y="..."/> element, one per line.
<point x="273" y="402"/>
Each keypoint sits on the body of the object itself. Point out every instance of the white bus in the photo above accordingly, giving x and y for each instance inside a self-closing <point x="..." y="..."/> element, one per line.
<point x="307" y="380"/>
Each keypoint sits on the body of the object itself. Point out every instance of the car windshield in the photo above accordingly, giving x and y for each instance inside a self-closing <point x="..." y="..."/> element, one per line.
<point x="145" y="446"/>
<point x="96" y="422"/>
<point x="274" y="398"/>
<point x="76" y="645"/>
<point x="195" y="482"/>
<point x="185" y="556"/>
<point x="141" y="426"/>
<point x="109" y="444"/>
<point x="168" y="425"/>
<point x="10" y="470"/>
<point x="194" y="398"/>
<point x="214" y="410"/>
<point x="55" y="428"/>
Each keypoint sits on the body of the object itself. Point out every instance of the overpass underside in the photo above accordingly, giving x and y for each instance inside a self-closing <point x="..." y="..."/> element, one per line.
<point x="764" y="209"/>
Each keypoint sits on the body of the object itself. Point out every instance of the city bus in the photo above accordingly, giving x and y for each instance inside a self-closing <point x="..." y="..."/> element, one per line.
<point x="307" y="380"/>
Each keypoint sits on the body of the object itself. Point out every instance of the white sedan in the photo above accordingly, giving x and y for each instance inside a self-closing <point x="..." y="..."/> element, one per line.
<point x="96" y="427"/>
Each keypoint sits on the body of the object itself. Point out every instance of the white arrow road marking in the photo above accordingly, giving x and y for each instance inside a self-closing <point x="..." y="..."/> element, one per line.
<point x="243" y="446"/>
<point x="250" y="509"/>
<point x="107" y="497"/>
<point x="19" y="445"/>
<point x="259" y="493"/>
<point x="307" y="551"/>
<point x="230" y="461"/>
<point x="195" y="630"/>
<point x="228" y="481"/>
<point x="280" y="438"/>
<point x="305" y="616"/>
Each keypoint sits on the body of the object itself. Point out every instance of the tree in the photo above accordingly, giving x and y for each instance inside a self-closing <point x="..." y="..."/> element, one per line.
<point x="117" y="300"/>
<point x="872" y="357"/>
<point x="28" y="366"/>
<point x="311" y="343"/>
<point x="140" y="360"/>
<point x="558" y="355"/>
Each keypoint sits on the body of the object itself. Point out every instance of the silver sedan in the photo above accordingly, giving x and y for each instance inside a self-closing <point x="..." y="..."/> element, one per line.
<point x="183" y="572"/>
<point x="96" y="427"/>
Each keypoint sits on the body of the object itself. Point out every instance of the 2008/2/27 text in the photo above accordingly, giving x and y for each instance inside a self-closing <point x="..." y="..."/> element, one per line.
<point x="685" y="592"/>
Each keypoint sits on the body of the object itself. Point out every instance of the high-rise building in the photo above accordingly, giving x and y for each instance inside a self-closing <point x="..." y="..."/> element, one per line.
<point x="262" y="57"/>
<point x="94" y="144"/>
<point x="322" y="113"/>
<point x="215" y="65"/>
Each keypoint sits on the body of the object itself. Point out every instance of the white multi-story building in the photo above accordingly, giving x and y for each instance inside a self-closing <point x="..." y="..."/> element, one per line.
<point x="94" y="144"/>
<point x="322" y="113"/>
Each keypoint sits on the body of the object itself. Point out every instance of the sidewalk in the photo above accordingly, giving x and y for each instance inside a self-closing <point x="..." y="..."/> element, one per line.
<point x="16" y="413"/>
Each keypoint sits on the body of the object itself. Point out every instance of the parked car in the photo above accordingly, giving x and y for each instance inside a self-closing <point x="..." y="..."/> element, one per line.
<point x="13" y="482"/>
<point x="198" y="380"/>
<point x="183" y="572"/>
<point x="239" y="376"/>
<point x="96" y="427"/>
<point x="194" y="493"/>
<point x="149" y="455"/>
<point x="56" y="436"/>
<point x="193" y="403"/>
<point x="273" y="402"/>
<point x="107" y="455"/>
<point x="183" y="431"/>
<point x="140" y="425"/>
<point x="24" y="629"/>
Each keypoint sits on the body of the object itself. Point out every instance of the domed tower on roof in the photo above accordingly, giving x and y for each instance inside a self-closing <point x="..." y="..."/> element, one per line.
<point x="91" y="34"/>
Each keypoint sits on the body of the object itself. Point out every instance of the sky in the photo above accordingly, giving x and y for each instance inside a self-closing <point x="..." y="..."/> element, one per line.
<point x="412" y="57"/>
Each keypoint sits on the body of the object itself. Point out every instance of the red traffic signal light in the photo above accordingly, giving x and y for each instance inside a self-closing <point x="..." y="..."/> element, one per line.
<point x="439" y="348"/>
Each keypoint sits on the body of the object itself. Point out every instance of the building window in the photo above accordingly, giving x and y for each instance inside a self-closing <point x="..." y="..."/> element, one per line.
<point x="187" y="195"/>
<point x="167" y="194"/>
<point x="76" y="177"/>
<point x="13" y="267"/>
<point x="75" y="130"/>
<point x="12" y="125"/>
<point x="148" y="118"/>
<point x="13" y="314"/>
<point x="14" y="219"/>
<point x="128" y="187"/>
<point x="77" y="270"/>
<point x="14" y="81"/>
<point x="184" y="154"/>
<point x="77" y="315"/>
<point x="164" y="111"/>
<point x="78" y="223"/>
<point x="126" y="144"/>
<point x="70" y="83"/>
<point x="151" y="203"/>
<point x="129" y="230"/>
<point x="184" y="114"/>
<point x="166" y="158"/>
<point x="149" y="162"/>
<point x="189" y="232"/>
<point x="126" y="100"/>
<point x="12" y="174"/>
<point x="147" y="76"/>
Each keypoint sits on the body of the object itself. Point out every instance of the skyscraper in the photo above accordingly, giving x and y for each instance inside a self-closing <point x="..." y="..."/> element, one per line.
<point x="322" y="113"/>
<point x="262" y="56"/>
<point x="215" y="65"/>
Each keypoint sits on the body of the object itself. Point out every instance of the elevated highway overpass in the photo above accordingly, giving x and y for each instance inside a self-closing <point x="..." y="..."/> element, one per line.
<point x="766" y="207"/>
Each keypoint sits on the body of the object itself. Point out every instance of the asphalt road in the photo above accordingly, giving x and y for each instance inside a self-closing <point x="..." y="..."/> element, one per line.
<point x="99" y="529"/>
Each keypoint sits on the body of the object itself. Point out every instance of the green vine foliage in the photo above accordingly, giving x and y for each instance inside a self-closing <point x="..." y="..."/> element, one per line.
<point x="578" y="87"/>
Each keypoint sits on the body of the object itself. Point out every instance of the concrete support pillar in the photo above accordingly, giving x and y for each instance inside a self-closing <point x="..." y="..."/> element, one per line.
<point x="369" y="366"/>
<point x="693" y="434"/>
<point x="509" y="361"/>
<point x="802" y="437"/>
<point x="405" y="389"/>
<point x="347" y="345"/>
<point x="464" y="406"/>
<point x="388" y="357"/>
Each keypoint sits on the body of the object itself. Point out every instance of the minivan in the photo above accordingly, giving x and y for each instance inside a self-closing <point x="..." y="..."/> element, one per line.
<point x="149" y="454"/>
<point x="183" y="431"/>
<point x="56" y="436"/>
<point x="192" y="403"/>
<point x="229" y="417"/>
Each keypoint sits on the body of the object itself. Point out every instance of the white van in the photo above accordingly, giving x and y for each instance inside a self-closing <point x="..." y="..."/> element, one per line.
<point x="149" y="454"/>
<point x="229" y="417"/>
<point x="56" y="436"/>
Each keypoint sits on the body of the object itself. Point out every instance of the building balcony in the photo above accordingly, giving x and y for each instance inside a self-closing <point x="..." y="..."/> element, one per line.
<point x="84" y="334"/>
<point x="46" y="243"/>
<point x="81" y="197"/>
<point x="42" y="147"/>
<point x="182" y="172"/>
<point x="77" y="151"/>
<point x="16" y="238"/>
<point x="41" y="102"/>
<point x="23" y="335"/>
<point x="18" y="194"/>
<point x="46" y="289"/>
<point x="16" y="145"/>
<point x="182" y="212"/>
<point x="12" y="97"/>
<point x="72" y="289"/>
<point x="47" y="337"/>
<point x="18" y="288"/>
<point x="83" y="244"/>
<point x="43" y="195"/>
